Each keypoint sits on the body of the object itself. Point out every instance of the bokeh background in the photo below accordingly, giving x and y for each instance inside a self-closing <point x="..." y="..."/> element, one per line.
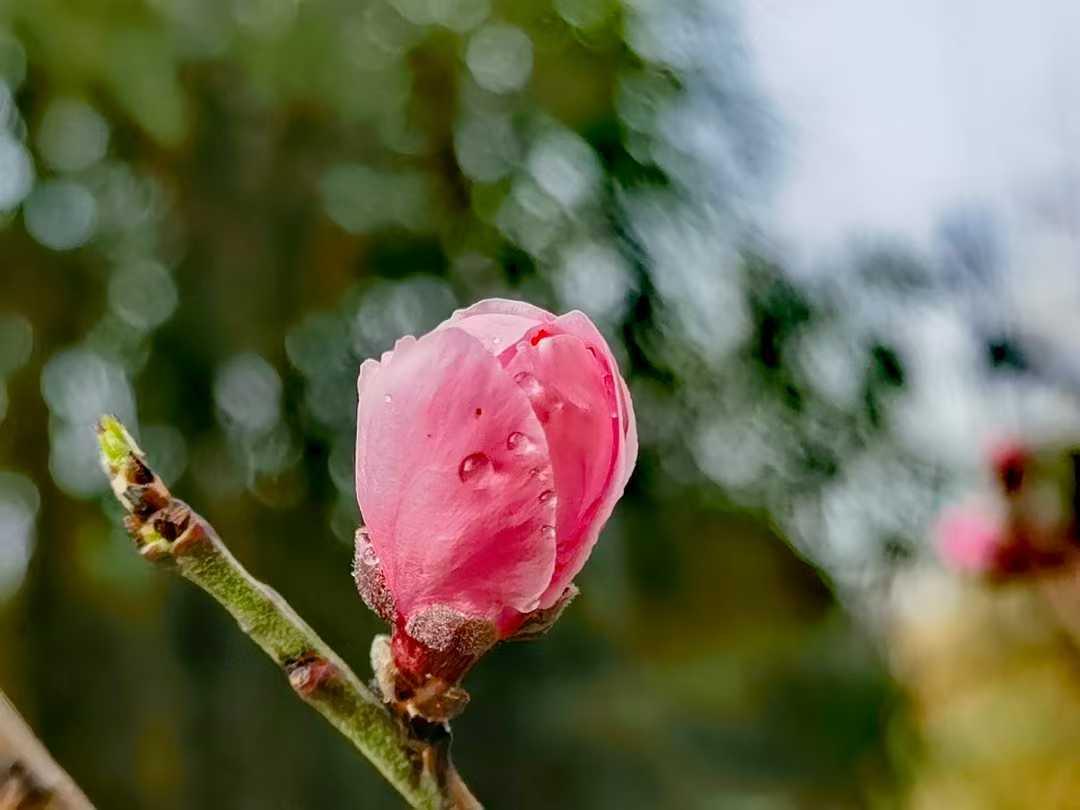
<point x="833" y="244"/>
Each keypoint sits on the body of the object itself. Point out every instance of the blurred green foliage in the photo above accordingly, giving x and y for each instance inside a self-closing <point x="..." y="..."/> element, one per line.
<point x="216" y="210"/>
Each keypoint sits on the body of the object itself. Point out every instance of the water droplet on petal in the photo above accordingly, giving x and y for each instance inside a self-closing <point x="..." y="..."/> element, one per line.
<point x="474" y="468"/>
<point x="544" y="402"/>
<point x="546" y="496"/>
<point x="520" y="443"/>
<point x="528" y="383"/>
<point x="548" y="533"/>
<point x="388" y="398"/>
<point x="495" y="341"/>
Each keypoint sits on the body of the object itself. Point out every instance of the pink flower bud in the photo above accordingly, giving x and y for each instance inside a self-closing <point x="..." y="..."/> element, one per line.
<point x="978" y="539"/>
<point x="972" y="539"/>
<point x="489" y="455"/>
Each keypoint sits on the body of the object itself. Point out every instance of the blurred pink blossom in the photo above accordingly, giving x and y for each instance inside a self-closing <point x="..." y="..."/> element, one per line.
<point x="490" y="453"/>
<point x="972" y="539"/>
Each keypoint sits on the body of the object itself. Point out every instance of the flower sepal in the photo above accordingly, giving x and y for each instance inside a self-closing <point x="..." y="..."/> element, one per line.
<point x="540" y="621"/>
<point x="412" y="694"/>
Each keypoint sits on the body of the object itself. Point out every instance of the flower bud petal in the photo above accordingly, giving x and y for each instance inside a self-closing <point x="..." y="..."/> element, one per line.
<point x="574" y="396"/>
<point x="453" y="511"/>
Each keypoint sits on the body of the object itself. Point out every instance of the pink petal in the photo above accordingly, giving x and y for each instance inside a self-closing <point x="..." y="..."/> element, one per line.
<point x="504" y="306"/>
<point x="565" y="384"/>
<point x="451" y="502"/>
<point x="630" y="450"/>
<point x="497" y="322"/>
<point x="578" y="323"/>
<point x="495" y="332"/>
<point x="572" y="382"/>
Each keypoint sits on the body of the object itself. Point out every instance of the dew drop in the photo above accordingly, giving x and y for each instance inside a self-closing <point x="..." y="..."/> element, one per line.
<point x="495" y="341"/>
<point x="388" y="398"/>
<point x="474" y="468"/>
<point x="520" y="443"/>
<point x="529" y="384"/>
<point x="544" y="402"/>
<point x="548" y="533"/>
<point x="546" y="496"/>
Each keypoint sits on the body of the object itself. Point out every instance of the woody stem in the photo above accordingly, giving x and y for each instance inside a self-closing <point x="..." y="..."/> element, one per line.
<point x="168" y="532"/>
<point x="29" y="777"/>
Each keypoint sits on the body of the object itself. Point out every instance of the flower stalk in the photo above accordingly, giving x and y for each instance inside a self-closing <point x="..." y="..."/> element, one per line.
<point x="412" y="756"/>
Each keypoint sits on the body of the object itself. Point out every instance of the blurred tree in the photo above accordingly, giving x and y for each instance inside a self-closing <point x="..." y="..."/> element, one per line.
<point x="217" y="210"/>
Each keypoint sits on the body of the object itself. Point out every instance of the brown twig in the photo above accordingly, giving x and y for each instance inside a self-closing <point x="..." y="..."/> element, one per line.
<point x="29" y="777"/>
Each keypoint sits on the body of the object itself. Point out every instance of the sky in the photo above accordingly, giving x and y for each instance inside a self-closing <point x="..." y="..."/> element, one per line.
<point x="893" y="111"/>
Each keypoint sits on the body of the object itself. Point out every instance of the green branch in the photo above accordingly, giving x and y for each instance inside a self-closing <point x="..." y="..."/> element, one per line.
<point x="414" y="757"/>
